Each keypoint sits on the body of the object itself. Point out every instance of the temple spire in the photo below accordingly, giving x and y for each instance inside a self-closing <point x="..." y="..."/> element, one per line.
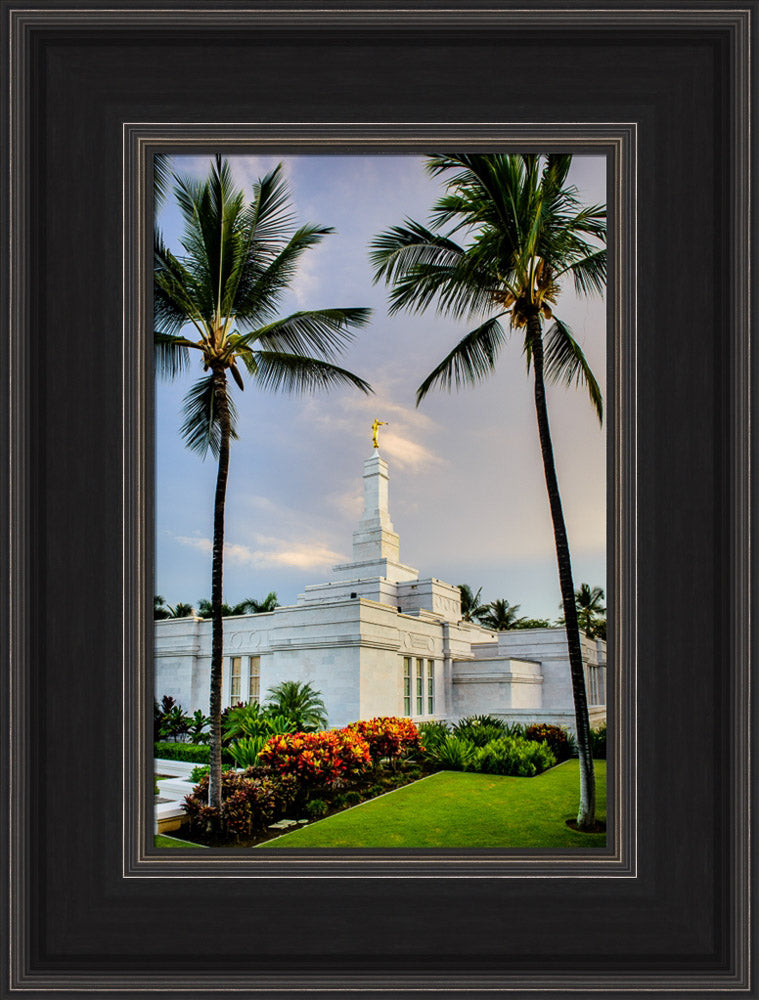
<point x="375" y="538"/>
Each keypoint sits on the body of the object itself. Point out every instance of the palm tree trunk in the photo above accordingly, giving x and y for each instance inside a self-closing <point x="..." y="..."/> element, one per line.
<point x="586" y="814"/>
<point x="217" y="567"/>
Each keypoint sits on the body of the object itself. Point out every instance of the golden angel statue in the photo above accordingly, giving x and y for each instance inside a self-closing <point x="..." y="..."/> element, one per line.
<point x="375" y="431"/>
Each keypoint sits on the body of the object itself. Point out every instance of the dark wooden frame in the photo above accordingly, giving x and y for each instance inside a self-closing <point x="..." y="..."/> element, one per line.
<point x="93" y="91"/>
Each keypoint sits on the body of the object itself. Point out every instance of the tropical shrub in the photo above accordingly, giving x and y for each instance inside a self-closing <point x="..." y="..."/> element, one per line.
<point x="244" y="752"/>
<point x="250" y="802"/>
<point x="197" y="724"/>
<point x="300" y="703"/>
<point x="253" y="720"/>
<point x="556" y="738"/>
<point x="432" y="733"/>
<point x="158" y="717"/>
<point x="512" y="755"/>
<point x="316" y="808"/>
<point x="514" y="729"/>
<point x="598" y="742"/>
<point x="318" y="758"/>
<point x="451" y="754"/>
<point x="482" y="720"/>
<point x="168" y="719"/>
<point x="388" y="736"/>
<point x="227" y="712"/>
<point x="198" y="773"/>
<point x="352" y="797"/>
<point x="480" y="729"/>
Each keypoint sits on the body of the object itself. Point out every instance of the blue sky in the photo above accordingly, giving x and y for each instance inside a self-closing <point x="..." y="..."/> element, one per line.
<point x="467" y="494"/>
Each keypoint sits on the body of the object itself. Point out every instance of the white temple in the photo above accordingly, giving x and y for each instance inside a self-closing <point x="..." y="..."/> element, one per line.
<point x="377" y="640"/>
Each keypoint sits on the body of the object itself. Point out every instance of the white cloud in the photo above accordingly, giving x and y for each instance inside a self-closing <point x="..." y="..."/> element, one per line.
<point x="246" y="170"/>
<point x="404" y="436"/>
<point x="409" y="454"/>
<point x="349" y="503"/>
<point x="273" y="552"/>
<point x="307" y="281"/>
<point x="204" y="544"/>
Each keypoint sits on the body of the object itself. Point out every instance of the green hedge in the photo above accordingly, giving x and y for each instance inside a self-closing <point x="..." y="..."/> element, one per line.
<point x="193" y="753"/>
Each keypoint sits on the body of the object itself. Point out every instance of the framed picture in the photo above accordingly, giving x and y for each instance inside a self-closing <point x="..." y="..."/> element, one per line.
<point x="664" y="96"/>
<point x="379" y="639"/>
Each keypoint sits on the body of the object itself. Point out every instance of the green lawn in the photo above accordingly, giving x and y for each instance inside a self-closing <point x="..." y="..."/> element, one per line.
<point x="162" y="841"/>
<point x="454" y="809"/>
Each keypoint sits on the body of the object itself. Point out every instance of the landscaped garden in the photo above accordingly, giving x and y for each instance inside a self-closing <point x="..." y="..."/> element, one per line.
<point x="461" y="809"/>
<point x="486" y="783"/>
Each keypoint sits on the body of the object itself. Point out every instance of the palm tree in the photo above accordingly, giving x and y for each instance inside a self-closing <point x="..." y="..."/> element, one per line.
<point x="205" y="609"/>
<point x="182" y="610"/>
<point x="300" y="703"/>
<point x="500" y="615"/>
<point x="161" y="609"/>
<point x="526" y="231"/>
<point x="253" y="607"/>
<point x="221" y="297"/>
<point x="589" y="609"/>
<point x="249" y="606"/>
<point x="470" y="603"/>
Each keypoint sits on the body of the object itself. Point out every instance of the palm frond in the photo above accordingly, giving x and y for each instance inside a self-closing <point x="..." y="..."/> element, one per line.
<point x="555" y="170"/>
<point x="470" y="361"/>
<point x="212" y="235"/>
<point x="162" y="175"/>
<point x="401" y="249"/>
<point x="422" y="266"/>
<point x="565" y="362"/>
<point x="264" y="227"/>
<point x="322" y="333"/>
<point x="589" y="273"/>
<point x="269" y="217"/>
<point x="171" y="355"/>
<point x="176" y="291"/>
<point x="261" y="288"/>
<point x="278" y="371"/>
<point x="201" y="429"/>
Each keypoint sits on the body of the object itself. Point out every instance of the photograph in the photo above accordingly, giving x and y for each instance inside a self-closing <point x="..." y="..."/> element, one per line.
<point x="380" y="579"/>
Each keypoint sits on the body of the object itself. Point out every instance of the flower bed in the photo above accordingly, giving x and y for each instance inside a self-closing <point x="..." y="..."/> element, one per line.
<point x="337" y="755"/>
<point x="305" y="776"/>
<point x="389" y="736"/>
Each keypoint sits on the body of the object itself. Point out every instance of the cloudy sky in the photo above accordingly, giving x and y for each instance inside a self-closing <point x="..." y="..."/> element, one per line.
<point x="467" y="494"/>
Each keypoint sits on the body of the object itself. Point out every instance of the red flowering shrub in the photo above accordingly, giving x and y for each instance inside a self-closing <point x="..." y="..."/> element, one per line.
<point x="388" y="736"/>
<point x="249" y="803"/>
<point x="556" y="738"/>
<point x="317" y="758"/>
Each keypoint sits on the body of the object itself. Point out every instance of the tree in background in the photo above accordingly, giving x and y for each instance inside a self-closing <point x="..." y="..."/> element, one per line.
<point x="249" y="606"/>
<point x="500" y="615"/>
<point x="181" y="610"/>
<point x="470" y="603"/>
<point x="161" y="610"/>
<point x="532" y="623"/>
<point x="591" y="614"/>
